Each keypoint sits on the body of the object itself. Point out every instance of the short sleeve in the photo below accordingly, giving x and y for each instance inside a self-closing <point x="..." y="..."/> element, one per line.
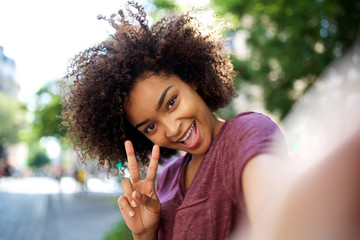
<point x="247" y="136"/>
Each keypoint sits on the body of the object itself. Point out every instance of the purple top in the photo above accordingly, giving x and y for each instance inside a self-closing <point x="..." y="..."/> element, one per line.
<point x="213" y="205"/>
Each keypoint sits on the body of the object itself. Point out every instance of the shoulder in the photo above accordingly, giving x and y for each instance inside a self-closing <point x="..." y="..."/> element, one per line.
<point x="249" y="134"/>
<point x="250" y="125"/>
<point x="251" y="120"/>
<point x="173" y="165"/>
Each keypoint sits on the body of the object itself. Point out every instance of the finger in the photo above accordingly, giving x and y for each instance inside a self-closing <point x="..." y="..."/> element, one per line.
<point x="128" y="189"/>
<point x="132" y="163"/>
<point x="125" y="207"/>
<point x="151" y="204"/>
<point x="153" y="165"/>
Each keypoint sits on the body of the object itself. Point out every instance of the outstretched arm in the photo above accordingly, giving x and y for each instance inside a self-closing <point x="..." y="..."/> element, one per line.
<point x="322" y="203"/>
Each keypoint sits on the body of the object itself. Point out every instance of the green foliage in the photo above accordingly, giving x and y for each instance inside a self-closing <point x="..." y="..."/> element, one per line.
<point x="12" y="119"/>
<point x="39" y="160"/>
<point x="164" y="4"/>
<point x="291" y="43"/>
<point x="47" y="121"/>
<point x="119" y="231"/>
<point x="37" y="156"/>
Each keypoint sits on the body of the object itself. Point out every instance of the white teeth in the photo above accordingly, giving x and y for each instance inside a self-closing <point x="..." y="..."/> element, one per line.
<point x="188" y="133"/>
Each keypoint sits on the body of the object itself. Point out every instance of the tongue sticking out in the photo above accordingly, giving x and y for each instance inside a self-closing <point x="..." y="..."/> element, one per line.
<point x="191" y="139"/>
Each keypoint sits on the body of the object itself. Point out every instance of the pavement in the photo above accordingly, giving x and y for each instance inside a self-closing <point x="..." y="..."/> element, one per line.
<point x="44" y="209"/>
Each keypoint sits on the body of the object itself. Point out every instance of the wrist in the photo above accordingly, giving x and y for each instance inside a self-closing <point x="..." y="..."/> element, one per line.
<point x="146" y="236"/>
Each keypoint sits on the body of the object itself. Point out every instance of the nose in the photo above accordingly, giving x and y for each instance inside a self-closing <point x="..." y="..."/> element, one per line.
<point x="172" y="128"/>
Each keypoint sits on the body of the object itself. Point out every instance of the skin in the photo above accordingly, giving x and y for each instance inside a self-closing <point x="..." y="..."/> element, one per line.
<point x="163" y="108"/>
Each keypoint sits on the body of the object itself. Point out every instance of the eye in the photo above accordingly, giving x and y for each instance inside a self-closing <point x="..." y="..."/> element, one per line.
<point x="171" y="103"/>
<point x="150" y="128"/>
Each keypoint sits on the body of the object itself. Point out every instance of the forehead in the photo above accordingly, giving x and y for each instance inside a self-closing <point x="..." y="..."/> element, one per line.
<point x="151" y="88"/>
<point x="153" y="84"/>
<point x="144" y="97"/>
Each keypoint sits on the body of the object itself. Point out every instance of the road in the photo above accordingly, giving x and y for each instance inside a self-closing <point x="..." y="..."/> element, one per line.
<point x="43" y="209"/>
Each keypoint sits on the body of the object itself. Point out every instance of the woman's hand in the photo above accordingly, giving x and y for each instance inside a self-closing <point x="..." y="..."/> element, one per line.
<point x="139" y="204"/>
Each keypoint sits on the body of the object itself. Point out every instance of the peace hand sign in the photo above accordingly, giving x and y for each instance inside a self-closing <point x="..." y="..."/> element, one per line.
<point x="139" y="204"/>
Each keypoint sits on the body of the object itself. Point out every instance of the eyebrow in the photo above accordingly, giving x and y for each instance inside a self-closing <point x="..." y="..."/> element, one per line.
<point x="140" y="124"/>
<point x="161" y="101"/>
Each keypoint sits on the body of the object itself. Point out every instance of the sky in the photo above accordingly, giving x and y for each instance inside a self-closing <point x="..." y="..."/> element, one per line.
<point x="42" y="35"/>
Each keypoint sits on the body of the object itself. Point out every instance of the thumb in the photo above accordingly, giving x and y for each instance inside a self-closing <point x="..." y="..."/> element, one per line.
<point x="152" y="204"/>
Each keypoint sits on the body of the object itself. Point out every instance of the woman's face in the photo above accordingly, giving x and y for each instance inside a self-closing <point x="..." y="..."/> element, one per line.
<point x="172" y="114"/>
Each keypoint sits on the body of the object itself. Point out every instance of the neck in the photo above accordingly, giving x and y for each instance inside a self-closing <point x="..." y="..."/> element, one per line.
<point x="196" y="158"/>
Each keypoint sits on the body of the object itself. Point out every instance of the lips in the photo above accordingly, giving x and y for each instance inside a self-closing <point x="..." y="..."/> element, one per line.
<point x="191" y="138"/>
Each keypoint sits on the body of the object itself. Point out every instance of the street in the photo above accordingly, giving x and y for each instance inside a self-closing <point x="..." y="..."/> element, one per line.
<point x="44" y="209"/>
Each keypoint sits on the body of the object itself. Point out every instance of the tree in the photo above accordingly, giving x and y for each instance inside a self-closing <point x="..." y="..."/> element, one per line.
<point x="39" y="160"/>
<point x="46" y="125"/>
<point x="12" y="119"/>
<point x="291" y="43"/>
<point x="47" y="121"/>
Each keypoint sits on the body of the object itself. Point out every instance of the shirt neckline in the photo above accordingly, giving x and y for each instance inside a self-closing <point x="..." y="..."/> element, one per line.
<point x="187" y="158"/>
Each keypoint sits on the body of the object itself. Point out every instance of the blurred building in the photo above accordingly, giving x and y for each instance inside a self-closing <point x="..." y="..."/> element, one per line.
<point x="8" y="84"/>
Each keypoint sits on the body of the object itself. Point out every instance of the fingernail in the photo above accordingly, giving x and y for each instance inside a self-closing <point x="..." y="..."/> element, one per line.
<point x="131" y="213"/>
<point x="133" y="203"/>
<point x="138" y="195"/>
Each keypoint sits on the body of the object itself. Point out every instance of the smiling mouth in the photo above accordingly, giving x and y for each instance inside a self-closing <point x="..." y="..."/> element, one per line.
<point x="192" y="137"/>
<point x="188" y="133"/>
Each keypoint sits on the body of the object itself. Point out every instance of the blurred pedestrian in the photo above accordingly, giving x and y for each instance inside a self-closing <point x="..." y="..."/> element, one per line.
<point x="80" y="176"/>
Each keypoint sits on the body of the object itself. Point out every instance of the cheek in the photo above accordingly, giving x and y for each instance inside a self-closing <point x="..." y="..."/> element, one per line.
<point x="159" y="139"/>
<point x="187" y="107"/>
<point x="155" y="139"/>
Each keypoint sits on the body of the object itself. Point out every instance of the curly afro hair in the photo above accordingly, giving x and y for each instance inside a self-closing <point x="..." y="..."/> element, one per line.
<point x="99" y="80"/>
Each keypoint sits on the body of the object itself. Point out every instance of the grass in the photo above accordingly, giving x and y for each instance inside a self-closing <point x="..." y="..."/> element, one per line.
<point x="119" y="231"/>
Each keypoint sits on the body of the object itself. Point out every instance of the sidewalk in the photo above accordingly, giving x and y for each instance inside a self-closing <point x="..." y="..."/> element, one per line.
<point x="80" y="216"/>
<point x="41" y="209"/>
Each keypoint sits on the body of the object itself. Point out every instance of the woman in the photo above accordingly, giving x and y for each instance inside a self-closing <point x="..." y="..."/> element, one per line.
<point x="155" y="89"/>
